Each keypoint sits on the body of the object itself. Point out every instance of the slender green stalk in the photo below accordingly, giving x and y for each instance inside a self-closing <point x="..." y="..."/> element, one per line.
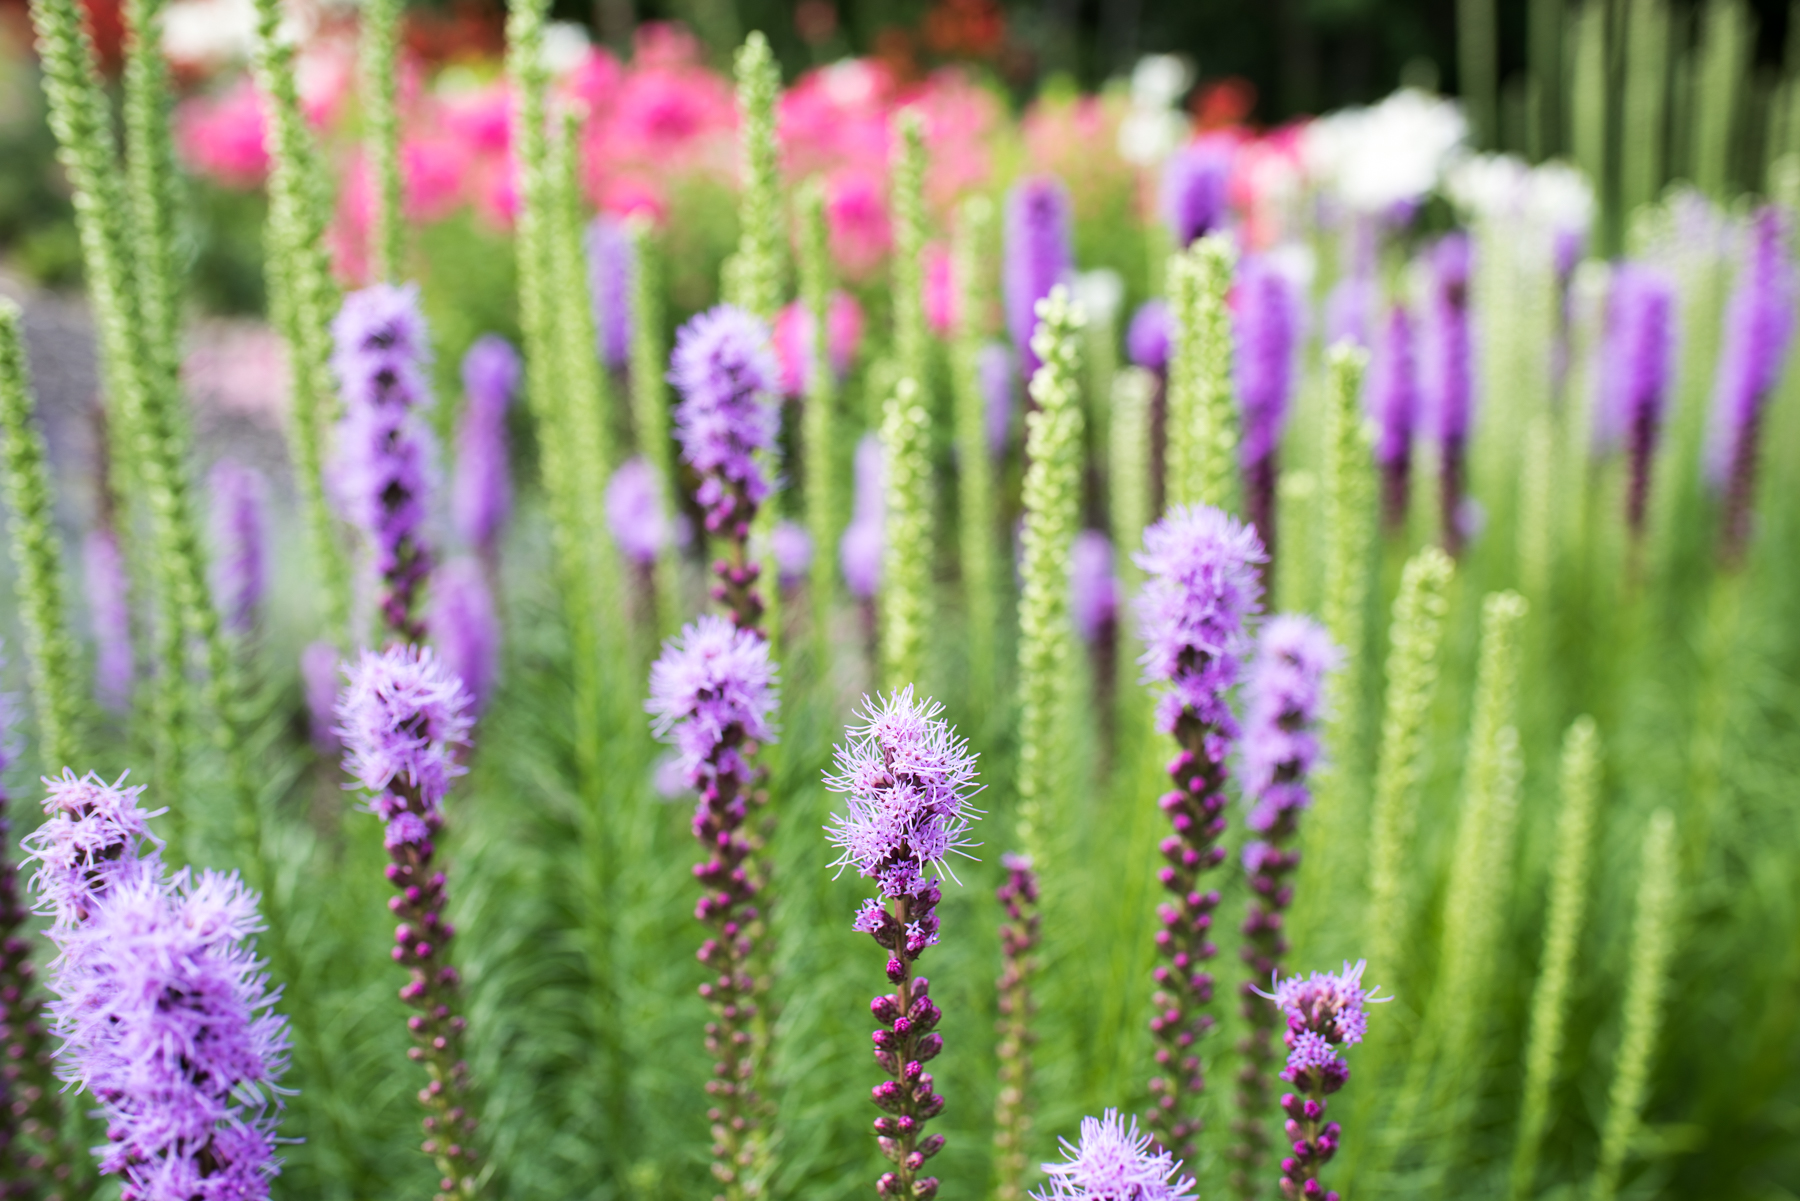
<point x="1588" y="98"/>
<point x="1641" y="157"/>
<point x="1412" y="677"/>
<point x="151" y="181"/>
<point x="911" y="339"/>
<point x="1725" y="48"/>
<point x="972" y="273"/>
<point x="57" y="694"/>
<point x="824" y="501"/>
<point x="1536" y="524"/>
<point x="1203" y="467"/>
<point x="761" y="228"/>
<point x="906" y="603"/>
<point x="1478" y="68"/>
<point x="1652" y="941"/>
<point x="588" y="410"/>
<point x="1128" y="464"/>
<point x="380" y="49"/>
<point x="650" y="400"/>
<point x="1562" y="939"/>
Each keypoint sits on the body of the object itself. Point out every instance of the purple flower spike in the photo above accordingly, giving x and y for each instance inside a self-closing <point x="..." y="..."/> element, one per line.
<point x="1148" y="336"/>
<point x="994" y="368"/>
<point x="612" y="278"/>
<point x="1203" y="586"/>
<point x="1267" y="329"/>
<point x="863" y="544"/>
<point x="1093" y="588"/>
<point x="384" y="451"/>
<point x="1759" y="325"/>
<point x="481" y="490"/>
<point x="1281" y="747"/>
<point x="96" y="837"/>
<point x="1325" y="1012"/>
<point x="1039" y="255"/>
<point x="1350" y="311"/>
<point x="1393" y="404"/>
<point x="907" y="780"/>
<point x="793" y="550"/>
<point x="1196" y="190"/>
<point x="1638" y="362"/>
<point x="467" y="628"/>
<point x="404" y="719"/>
<point x="166" y="1019"/>
<point x="634" y="511"/>
<point x="1449" y="371"/>
<point x="1113" y="1160"/>
<point x="109" y="608"/>
<point x="319" y="677"/>
<point x="712" y="691"/>
<point x="239" y="497"/>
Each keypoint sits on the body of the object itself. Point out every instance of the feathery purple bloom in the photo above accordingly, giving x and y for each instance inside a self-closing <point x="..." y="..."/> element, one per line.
<point x="109" y="609"/>
<point x="466" y="628"/>
<point x="380" y="345"/>
<point x="1286" y="690"/>
<point x="1637" y="361"/>
<point x="481" y="489"/>
<point x="994" y="371"/>
<point x="1449" y="372"/>
<point x="1113" y="1162"/>
<point x="712" y="691"/>
<point x="96" y="835"/>
<point x="1196" y="190"/>
<point x="1266" y="327"/>
<point x="1392" y="399"/>
<point x="1325" y="1012"/>
<point x="239" y="498"/>
<point x="1093" y="588"/>
<point x="612" y="279"/>
<point x="725" y="370"/>
<point x="319" y="680"/>
<point x="1759" y="324"/>
<point x="1148" y="336"/>
<point x="403" y="718"/>
<point x="634" y="511"/>
<point x="1039" y="254"/>
<point x="864" y="542"/>
<point x="1330" y="1005"/>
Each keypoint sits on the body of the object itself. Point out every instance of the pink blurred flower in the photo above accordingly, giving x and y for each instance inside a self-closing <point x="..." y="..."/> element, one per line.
<point x="843" y="331"/>
<point x="433" y="169"/>
<point x="940" y="290"/>
<point x="594" y="82"/>
<point x="238" y="367"/>
<point x="856" y="212"/>
<point x="221" y="137"/>
<point x="794" y="334"/>
<point x="480" y="119"/>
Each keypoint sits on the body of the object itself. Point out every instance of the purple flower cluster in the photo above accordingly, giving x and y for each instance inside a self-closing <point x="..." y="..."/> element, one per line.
<point x="403" y="720"/>
<point x="1450" y="376"/>
<point x="163" y="1012"/>
<point x="1149" y="335"/>
<point x="1759" y="326"/>
<point x="481" y="489"/>
<point x="1093" y="588"/>
<point x="725" y="370"/>
<point x="792" y="548"/>
<point x="1638" y="361"/>
<point x="712" y="694"/>
<point x="1267" y="328"/>
<point x="1019" y="936"/>
<point x="383" y="461"/>
<point x="1113" y="1161"/>
<point x="1196" y="190"/>
<point x="612" y="280"/>
<point x="1392" y="399"/>
<point x="863" y="544"/>
<point x="1324" y="1012"/>
<point x="634" y="511"/>
<point x="466" y="628"/>
<point x="1202" y="588"/>
<point x="109" y="609"/>
<point x="239" y="497"/>
<point x="1039" y="254"/>
<point x="907" y="780"/>
<point x="994" y="370"/>
<point x="319" y="680"/>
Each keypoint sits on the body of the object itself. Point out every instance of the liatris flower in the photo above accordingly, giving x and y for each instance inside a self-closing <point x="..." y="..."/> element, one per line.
<point x="612" y="277"/>
<point x="1281" y="747"/>
<point x="1195" y="191"/>
<point x="1018" y="898"/>
<point x="379" y="354"/>
<point x="1393" y="403"/>
<point x="792" y="549"/>
<point x="1267" y="328"/>
<point x="712" y="694"/>
<point x="860" y="552"/>
<point x="907" y="779"/>
<point x="1759" y="324"/>
<point x="634" y="512"/>
<point x="1451" y="377"/>
<point x="1147" y="343"/>
<point x="1039" y="255"/>
<point x="95" y="837"/>
<point x="466" y="628"/>
<point x="1093" y="588"/>
<point x="1324" y="1012"/>
<point x="1112" y="1162"/>
<point x="1350" y="311"/>
<point x="1202" y="586"/>
<point x="481" y="489"/>
<point x="318" y="681"/>
<point x="403" y="720"/>
<point x="1638" y="360"/>
<point x="166" y="1019"/>
<point x="109" y="609"/>
<point x="994" y="369"/>
<point x="726" y="374"/>
<point x="238" y="502"/>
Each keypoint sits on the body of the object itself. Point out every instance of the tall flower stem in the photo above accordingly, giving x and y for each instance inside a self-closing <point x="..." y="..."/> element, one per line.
<point x="1203" y="438"/>
<point x="650" y="397"/>
<point x="1325" y="1013"/>
<point x="972" y="273"/>
<point x="904" y="1044"/>
<point x="911" y="337"/>
<point x="824" y="492"/>
<point x="380" y="48"/>
<point x="1018" y="897"/>
<point x="906" y="585"/>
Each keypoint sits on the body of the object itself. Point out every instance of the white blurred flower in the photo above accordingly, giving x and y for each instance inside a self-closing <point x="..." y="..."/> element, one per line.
<point x="1159" y="80"/>
<point x="1102" y="293"/>
<point x="1553" y="197"/>
<point x="565" y="47"/>
<point x="1153" y="127"/>
<point x="207" y="34"/>
<point x="1389" y="154"/>
<point x="1561" y="197"/>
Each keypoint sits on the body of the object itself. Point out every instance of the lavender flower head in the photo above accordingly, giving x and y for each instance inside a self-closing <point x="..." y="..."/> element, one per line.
<point x="1759" y="325"/>
<point x="1113" y="1162"/>
<point x="1449" y="372"/>
<point x="1093" y="588"/>
<point x="994" y="370"/>
<point x="467" y="629"/>
<point x="1202" y="586"/>
<point x="864" y="542"/>
<point x="1324" y="1011"/>
<point x="402" y="719"/>
<point x="319" y="680"/>
<point x="109" y="608"/>
<point x="1196" y="190"/>
<point x="1349" y="311"/>
<point x="1148" y="336"/>
<point x="793" y="550"/>
<point x="907" y="780"/>
<point x="1267" y="329"/>
<point x="712" y="693"/>
<point x="634" y="511"/>
<point x="96" y="836"/>
<point x="481" y="490"/>
<point x="726" y="372"/>
<point x="379" y="343"/>
<point x="166" y="1019"/>
<point x="1638" y="356"/>
<point x="239" y="497"/>
<point x="1286" y="701"/>
<point x="612" y="278"/>
<point x="1039" y="255"/>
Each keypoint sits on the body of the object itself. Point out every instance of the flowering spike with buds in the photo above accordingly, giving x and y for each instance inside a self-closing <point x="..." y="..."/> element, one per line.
<point x="1039" y="254"/>
<point x="404" y="720"/>
<point x="1202" y="587"/>
<point x="906" y="602"/>
<point x="712" y="694"/>
<point x="1394" y="407"/>
<point x="908" y="780"/>
<point x="1638" y="359"/>
<point x="760" y="242"/>
<point x="481" y="489"/>
<point x="1113" y="1160"/>
<point x="1325" y="1013"/>
<point x="1267" y="329"/>
<point x="239" y="520"/>
<point x="1202" y="452"/>
<point x="1452" y="376"/>
<point x="1018" y="898"/>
